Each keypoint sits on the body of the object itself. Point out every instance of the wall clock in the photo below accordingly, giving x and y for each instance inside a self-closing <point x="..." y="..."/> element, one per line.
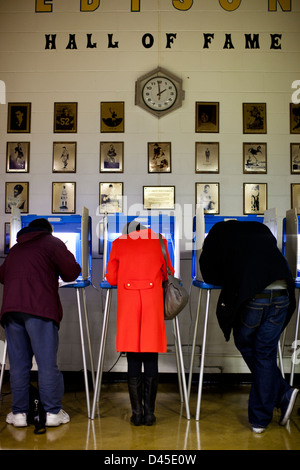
<point x="159" y="92"/>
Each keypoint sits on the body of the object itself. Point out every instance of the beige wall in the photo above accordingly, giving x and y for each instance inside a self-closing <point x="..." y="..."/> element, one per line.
<point x="89" y="76"/>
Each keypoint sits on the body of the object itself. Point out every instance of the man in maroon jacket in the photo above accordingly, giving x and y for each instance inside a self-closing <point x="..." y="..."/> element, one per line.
<point x="31" y="313"/>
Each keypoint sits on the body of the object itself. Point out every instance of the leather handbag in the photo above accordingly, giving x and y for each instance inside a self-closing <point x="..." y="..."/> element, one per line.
<point x="175" y="295"/>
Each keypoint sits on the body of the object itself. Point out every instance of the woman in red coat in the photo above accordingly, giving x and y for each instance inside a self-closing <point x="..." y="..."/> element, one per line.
<point x="137" y="267"/>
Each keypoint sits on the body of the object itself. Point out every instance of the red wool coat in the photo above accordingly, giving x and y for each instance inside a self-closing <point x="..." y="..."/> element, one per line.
<point x="137" y="267"/>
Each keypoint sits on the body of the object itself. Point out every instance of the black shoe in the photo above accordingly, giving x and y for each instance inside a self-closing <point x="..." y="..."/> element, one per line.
<point x="150" y="391"/>
<point x="136" y="395"/>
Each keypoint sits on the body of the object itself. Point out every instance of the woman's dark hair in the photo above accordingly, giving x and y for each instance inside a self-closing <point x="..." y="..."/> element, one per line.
<point x="42" y="224"/>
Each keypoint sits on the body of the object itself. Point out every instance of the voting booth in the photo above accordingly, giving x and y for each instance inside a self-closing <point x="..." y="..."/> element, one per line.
<point x="202" y="223"/>
<point x="169" y="227"/>
<point x="290" y="249"/>
<point x="76" y="232"/>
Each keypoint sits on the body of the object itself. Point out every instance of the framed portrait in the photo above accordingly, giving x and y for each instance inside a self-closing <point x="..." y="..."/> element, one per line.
<point x="207" y="157"/>
<point x="19" y="117"/>
<point x="159" y="197"/>
<point x="254" y="118"/>
<point x="295" y="197"/>
<point x="294" y="118"/>
<point x="295" y="158"/>
<point x="63" y="198"/>
<point x="6" y="237"/>
<point x="207" y="116"/>
<point x="255" y="198"/>
<point x="159" y="157"/>
<point x="111" y="157"/>
<point x="65" y="117"/>
<point x="111" y="197"/>
<point x="208" y="196"/>
<point x="17" y="157"/>
<point x="112" y="116"/>
<point x="254" y="157"/>
<point x="64" y="157"/>
<point x="17" y="195"/>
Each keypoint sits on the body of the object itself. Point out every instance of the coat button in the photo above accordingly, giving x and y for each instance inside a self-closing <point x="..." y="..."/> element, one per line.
<point x="128" y="285"/>
<point x="151" y="283"/>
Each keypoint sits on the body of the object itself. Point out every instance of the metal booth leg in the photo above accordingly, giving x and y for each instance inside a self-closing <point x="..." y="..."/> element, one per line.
<point x="180" y="357"/>
<point x="88" y="335"/>
<point x="101" y="353"/>
<point x="83" y="353"/>
<point x="194" y="343"/>
<point x="3" y="365"/>
<point x="296" y="337"/>
<point x="202" y="356"/>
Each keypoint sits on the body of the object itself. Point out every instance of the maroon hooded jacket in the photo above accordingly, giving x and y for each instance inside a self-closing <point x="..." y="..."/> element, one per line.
<point x="30" y="274"/>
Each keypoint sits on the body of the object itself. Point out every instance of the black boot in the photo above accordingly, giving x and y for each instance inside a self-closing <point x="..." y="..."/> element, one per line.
<point x="150" y="391"/>
<point x="136" y="395"/>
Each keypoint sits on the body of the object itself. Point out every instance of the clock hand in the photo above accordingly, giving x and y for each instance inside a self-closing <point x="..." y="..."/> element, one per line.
<point x="158" y="94"/>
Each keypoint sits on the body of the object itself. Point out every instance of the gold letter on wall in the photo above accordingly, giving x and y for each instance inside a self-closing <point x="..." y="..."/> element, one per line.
<point x="230" y="5"/>
<point x="89" y="5"/>
<point x="286" y="5"/>
<point x="182" y="4"/>
<point x="43" y="6"/>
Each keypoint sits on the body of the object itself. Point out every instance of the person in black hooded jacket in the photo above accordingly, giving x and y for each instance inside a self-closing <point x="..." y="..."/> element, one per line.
<point x="256" y="303"/>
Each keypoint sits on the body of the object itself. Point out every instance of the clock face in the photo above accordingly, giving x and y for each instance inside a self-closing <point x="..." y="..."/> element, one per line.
<point x="159" y="93"/>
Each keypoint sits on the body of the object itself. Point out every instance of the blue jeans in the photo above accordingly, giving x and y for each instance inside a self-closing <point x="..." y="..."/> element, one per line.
<point x="28" y="335"/>
<point x="256" y="338"/>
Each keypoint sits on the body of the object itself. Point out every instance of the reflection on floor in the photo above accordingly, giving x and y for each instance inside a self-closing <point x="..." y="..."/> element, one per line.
<point x="223" y="423"/>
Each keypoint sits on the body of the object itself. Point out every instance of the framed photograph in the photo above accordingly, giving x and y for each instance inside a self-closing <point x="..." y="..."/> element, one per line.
<point x="6" y="237"/>
<point x="207" y="116"/>
<point x="208" y="196"/>
<point x="295" y="158"/>
<point x="159" y="197"/>
<point x="207" y="157"/>
<point x="255" y="198"/>
<point x="111" y="157"/>
<point x="254" y="157"/>
<point x="18" y="117"/>
<point x="294" y="118"/>
<point x="64" y="157"/>
<point x="254" y="118"/>
<point x="16" y="195"/>
<point x="111" y="197"/>
<point x="295" y="197"/>
<point x="65" y="117"/>
<point x="63" y="198"/>
<point x="17" y="157"/>
<point x="112" y="116"/>
<point x="159" y="157"/>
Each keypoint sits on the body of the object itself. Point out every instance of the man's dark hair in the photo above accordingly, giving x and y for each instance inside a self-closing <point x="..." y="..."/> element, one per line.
<point x="42" y="224"/>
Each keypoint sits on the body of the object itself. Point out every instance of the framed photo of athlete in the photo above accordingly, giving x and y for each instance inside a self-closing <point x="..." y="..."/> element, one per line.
<point x="65" y="117"/>
<point x="17" y="157"/>
<point x="295" y="197"/>
<point x="159" y="157"/>
<point x="19" y="117"/>
<point x="254" y="157"/>
<point x="255" y="198"/>
<point x="254" y="118"/>
<point x="17" y="195"/>
<point x="112" y="116"/>
<point x="207" y="157"/>
<point x="63" y="198"/>
<point x="295" y="158"/>
<point x="110" y="197"/>
<point x="111" y="157"/>
<point x="64" y="157"/>
<point x="207" y="195"/>
<point x="207" y="116"/>
<point x="294" y="118"/>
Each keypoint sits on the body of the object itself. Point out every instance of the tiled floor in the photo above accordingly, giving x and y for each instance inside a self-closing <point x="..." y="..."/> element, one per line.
<point x="223" y="424"/>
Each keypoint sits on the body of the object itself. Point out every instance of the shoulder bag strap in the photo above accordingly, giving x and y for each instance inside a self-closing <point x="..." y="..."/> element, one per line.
<point x="163" y="249"/>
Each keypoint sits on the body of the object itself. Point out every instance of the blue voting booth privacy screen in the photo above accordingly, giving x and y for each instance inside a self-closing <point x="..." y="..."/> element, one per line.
<point x="75" y="232"/>
<point x="209" y="221"/>
<point x="290" y="241"/>
<point x="113" y="226"/>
